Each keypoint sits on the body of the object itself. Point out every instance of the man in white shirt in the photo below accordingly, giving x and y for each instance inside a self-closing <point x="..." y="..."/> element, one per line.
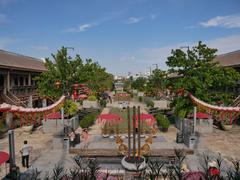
<point x="25" y="151"/>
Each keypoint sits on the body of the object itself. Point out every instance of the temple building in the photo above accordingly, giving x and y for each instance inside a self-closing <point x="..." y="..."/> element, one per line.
<point x="231" y="59"/>
<point x="17" y="83"/>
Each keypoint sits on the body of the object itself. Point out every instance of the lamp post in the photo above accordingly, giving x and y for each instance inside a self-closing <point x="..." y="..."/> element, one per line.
<point x="156" y="66"/>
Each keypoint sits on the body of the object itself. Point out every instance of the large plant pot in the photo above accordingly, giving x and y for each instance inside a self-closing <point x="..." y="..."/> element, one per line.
<point x="164" y="129"/>
<point x="134" y="164"/>
<point x="105" y="135"/>
<point x="227" y="127"/>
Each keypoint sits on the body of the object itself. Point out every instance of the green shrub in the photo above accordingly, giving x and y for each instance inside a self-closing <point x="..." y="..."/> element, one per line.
<point x="103" y="103"/>
<point x="92" y="98"/>
<point x="140" y="98"/>
<point x="70" y="108"/>
<point x="87" y="121"/>
<point x="150" y="103"/>
<point x="162" y="121"/>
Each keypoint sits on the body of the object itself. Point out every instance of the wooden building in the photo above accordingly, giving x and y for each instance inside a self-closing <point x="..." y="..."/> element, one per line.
<point x="17" y="72"/>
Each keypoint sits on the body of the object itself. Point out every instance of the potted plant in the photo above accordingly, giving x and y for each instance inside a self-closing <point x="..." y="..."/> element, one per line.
<point x="226" y="124"/>
<point x="163" y="122"/>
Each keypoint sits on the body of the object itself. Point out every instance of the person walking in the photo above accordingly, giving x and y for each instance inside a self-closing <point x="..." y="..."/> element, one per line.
<point x="25" y="151"/>
<point x="85" y="137"/>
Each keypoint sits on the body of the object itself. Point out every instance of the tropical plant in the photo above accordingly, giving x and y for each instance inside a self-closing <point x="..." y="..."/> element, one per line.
<point x="70" y="108"/>
<point x="162" y="121"/>
<point x="92" y="98"/>
<point x="150" y="103"/>
<point x="88" y="120"/>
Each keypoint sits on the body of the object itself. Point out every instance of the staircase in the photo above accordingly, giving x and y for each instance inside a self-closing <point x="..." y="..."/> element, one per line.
<point x="10" y="98"/>
<point x="236" y="102"/>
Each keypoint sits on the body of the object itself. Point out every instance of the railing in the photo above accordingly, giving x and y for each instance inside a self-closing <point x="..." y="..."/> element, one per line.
<point x="19" y="90"/>
<point x="236" y="102"/>
<point x="16" y="99"/>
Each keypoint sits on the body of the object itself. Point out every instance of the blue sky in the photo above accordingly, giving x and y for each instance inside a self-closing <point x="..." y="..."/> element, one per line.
<point x="123" y="36"/>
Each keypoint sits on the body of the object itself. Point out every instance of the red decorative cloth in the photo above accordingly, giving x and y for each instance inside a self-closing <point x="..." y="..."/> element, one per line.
<point x="148" y="118"/>
<point x="110" y="118"/>
<point x="201" y="115"/>
<point x="3" y="157"/>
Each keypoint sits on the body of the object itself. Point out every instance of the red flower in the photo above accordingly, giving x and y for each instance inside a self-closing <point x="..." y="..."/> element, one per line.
<point x="214" y="171"/>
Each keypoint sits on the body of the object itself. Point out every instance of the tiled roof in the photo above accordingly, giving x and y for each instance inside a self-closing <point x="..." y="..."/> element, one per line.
<point x="231" y="59"/>
<point x="20" y="62"/>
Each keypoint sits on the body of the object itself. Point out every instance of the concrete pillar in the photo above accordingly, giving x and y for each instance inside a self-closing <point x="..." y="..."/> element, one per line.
<point x="44" y="102"/>
<point x="9" y="119"/>
<point x="29" y="79"/>
<point x="8" y="81"/>
<point x="30" y="101"/>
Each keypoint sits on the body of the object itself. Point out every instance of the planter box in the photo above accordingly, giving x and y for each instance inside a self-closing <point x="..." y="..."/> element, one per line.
<point x="162" y="104"/>
<point x="56" y="125"/>
<point x="90" y="104"/>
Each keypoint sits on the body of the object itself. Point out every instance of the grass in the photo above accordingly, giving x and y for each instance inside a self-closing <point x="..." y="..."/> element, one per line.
<point x="122" y="127"/>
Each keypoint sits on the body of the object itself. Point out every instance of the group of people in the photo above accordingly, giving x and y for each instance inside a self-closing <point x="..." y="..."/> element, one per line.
<point x="75" y="138"/>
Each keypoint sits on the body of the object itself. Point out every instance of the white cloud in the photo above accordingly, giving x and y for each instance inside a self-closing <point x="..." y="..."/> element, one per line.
<point x="225" y="44"/>
<point x="81" y="28"/>
<point x="40" y="48"/>
<point x="148" y="56"/>
<point x="133" y="20"/>
<point x="232" y="21"/>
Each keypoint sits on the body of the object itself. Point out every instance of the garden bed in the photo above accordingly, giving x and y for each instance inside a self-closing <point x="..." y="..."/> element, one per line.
<point x="123" y="126"/>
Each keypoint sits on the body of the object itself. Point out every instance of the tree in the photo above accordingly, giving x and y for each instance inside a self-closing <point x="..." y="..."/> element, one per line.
<point x="156" y="82"/>
<point x="202" y="77"/>
<point x="139" y="84"/>
<point x="70" y="71"/>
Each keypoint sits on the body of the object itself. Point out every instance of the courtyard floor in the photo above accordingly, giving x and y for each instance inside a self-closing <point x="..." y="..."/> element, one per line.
<point x="48" y="150"/>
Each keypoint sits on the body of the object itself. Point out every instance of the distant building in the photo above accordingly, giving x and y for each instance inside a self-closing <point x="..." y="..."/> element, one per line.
<point x="17" y="72"/>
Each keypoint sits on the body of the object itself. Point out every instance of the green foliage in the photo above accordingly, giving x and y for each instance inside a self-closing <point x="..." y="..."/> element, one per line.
<point x="70" y="108"/>
<point x="202" y="77"/>
<point x="103" y="102"/>
<point x="88" y="120"/>
<point x="156" y="82"/>
<point x="139" y="84"/>
<point x="162" y="121"/>
<point x="150" y="103"/>
<point x="92" y="98"/>
<point x="140" y="98"/>
<point x="70" y="71"/>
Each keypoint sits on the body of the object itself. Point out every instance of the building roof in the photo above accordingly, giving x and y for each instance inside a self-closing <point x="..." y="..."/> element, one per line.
<point x="15" y="61"/>
<point x="231" y="59"/>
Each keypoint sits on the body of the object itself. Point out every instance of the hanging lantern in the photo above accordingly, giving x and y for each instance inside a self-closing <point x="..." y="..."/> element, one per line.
<point x="58" y="83"/>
